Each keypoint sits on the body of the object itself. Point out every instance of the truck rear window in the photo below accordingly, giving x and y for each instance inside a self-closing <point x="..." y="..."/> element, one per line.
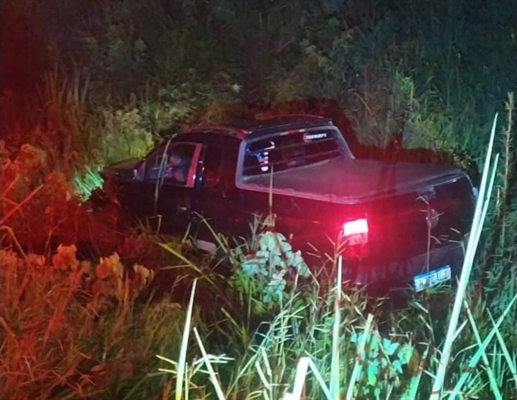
<point x="290" y="150"/>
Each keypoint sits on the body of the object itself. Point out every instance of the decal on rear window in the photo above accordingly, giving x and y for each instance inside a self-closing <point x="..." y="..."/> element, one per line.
<point x="309" y="137"/>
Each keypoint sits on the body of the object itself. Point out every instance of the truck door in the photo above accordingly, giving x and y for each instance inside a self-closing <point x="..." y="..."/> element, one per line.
<point x="168" y="185"/>
<point x="216" y="201"/>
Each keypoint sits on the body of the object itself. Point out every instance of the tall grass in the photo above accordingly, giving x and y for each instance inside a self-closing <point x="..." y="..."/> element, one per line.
<point x="482" y="206"/>
<point x="73" y="329"/>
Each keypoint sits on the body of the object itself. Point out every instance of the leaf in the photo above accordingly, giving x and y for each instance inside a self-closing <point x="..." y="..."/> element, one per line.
<point x="397" y="365"/>
<point x="406" y="354"/>
<point x="373" y="371"/>
<point x="374" y="346"/>
<point x="390" y="347"/>
<point x="98" y="367"/>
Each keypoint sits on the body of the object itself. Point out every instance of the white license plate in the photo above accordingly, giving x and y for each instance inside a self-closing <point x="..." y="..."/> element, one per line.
<point x="432" y="278"/>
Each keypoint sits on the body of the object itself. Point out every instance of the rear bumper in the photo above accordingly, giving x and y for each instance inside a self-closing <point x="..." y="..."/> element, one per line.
<point x="399" y="275"/>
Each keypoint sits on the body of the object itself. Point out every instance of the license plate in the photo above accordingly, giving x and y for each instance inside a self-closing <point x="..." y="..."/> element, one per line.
<point x="432" y="278"/>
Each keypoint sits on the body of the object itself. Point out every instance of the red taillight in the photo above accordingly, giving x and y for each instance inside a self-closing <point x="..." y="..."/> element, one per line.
<point x="358" y="226"/>
<point x="356" y="231"/>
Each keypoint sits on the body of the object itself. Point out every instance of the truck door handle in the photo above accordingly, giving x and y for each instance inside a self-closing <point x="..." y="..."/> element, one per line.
<point x="182" y="208"/>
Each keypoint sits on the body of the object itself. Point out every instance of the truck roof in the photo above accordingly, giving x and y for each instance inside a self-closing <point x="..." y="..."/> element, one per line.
<point x="263" y="127"/>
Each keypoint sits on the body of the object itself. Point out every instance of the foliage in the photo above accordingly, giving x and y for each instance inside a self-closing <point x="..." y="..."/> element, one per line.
<point x="498" y="269"/>
<point x="125" y="72"/>
<point x="87" y="84"/>
<point x="71" y="328"/>
<point x="126" y="135"/>
<point x="263" y="368"/>
<point x="28" y="178"/>
<point x="262" y="274"/>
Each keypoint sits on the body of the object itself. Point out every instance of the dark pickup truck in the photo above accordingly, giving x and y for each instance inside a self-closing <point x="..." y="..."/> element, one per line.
<point x="400" y="223"/>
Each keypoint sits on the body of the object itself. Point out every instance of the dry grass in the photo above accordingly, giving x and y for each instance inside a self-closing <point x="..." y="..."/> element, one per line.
<point x="73" y="330"/>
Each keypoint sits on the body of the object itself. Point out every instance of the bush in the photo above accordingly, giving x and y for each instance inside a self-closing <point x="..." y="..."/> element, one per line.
<point x="73" y="329"/>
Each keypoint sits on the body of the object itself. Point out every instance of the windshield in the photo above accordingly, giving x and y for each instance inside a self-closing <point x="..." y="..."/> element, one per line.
<point x="292" y="150"/>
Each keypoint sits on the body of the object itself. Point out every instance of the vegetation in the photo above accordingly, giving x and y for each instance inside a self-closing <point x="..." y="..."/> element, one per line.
<point x="89" y="83"/>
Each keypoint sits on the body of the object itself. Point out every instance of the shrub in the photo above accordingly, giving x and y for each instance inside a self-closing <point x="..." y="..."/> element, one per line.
<point x="73" y="329"/>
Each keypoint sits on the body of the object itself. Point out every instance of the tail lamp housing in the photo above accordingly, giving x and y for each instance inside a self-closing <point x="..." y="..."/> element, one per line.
<point x="356" y="231"/>
<point x="355" y="235"/>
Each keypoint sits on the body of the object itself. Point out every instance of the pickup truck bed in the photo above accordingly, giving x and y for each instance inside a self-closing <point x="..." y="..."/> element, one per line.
<point x="350" y="181"/>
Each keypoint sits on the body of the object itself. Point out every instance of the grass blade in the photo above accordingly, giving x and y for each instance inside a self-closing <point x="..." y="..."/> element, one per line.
<point x="360" y="357"/>
<point x="477" y="225"/>
<point x="299" y="379"/>
<point x="489" y="371"/>
<point x="211" y="372"/>
<point x="184" y="344"/>
<point x="506" y="353"/>
<point x="334" y="368"/>
<point x="474" y="360"/>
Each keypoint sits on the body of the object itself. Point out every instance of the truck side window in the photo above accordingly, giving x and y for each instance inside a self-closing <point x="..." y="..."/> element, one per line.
<point x="171" y="164"/>
<point x="213" y="165"/>
<point x="155" y="165"/>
